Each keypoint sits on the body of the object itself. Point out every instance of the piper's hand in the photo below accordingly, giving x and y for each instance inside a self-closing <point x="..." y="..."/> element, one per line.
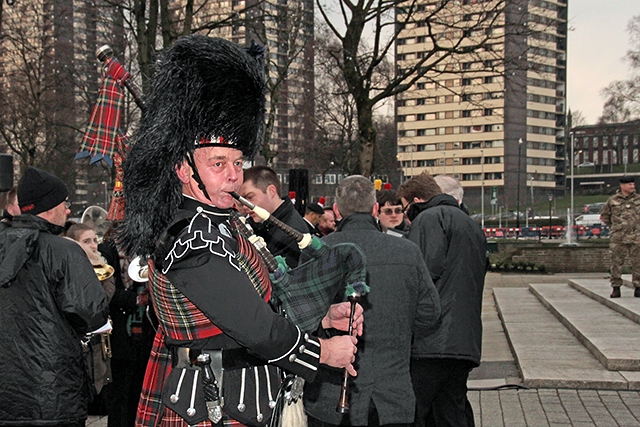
<point x="339" y="352"/>
<point x="338" y="318"/>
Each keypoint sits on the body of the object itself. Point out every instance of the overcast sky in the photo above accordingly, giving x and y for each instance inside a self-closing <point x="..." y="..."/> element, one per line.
<point x="598" y="41"/>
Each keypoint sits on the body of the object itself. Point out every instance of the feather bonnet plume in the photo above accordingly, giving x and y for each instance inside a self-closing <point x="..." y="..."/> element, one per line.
<point x="206" y="91"/>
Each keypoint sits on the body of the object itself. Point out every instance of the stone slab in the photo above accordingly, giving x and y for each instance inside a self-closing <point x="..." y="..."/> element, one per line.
<point x="546" y="353"/>
<point x="600" y="289"/>
<point x="611" y="337"/>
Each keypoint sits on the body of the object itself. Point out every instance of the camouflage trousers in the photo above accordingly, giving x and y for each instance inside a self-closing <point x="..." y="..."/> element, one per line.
<point x="619" y="251"/>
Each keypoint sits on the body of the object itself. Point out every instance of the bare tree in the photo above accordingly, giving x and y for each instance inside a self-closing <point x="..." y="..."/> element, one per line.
<point x="335" y="111"/>
<point x="155" y="24"/>
<point x="286" y="31"/>
<point x="369" y="29"/>
<point x="38" y="121"/>
<point x="622" y="97"/>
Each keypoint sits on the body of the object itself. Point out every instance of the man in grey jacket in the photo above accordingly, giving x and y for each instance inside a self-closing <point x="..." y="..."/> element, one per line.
<point x="402" y="302"/>
<point x="454" y="248"/>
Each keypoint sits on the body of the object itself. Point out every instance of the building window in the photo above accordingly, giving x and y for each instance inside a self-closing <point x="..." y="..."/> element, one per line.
<point x="330" y="178"/>
<point x="466" y="113"/>
<point x="472" y="144"/>
<point x="471" y="177"/>
<point x="488" y="112"/>
<point x="466" y="82"/>
<point x="488" y="128"/>
<point x="488" y="79"/>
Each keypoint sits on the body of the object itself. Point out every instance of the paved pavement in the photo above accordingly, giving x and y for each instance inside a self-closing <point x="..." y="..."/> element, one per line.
<point x="495" y="388"/>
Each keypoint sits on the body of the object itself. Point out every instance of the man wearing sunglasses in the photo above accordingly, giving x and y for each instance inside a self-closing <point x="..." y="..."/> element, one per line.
<point x="454" y="248"/>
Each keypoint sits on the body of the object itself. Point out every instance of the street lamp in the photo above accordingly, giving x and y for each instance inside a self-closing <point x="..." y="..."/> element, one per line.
<point x="411" y="168"/>
<point x="453" y="165"/>
<point x="482" y="188"/>
<point x="444" y="162"/>
<point x="324" y="178"/>
<point x="518" y="192"/>
<point x="573" y="159"/>
<point x="550" y="200"/>
<point x="106" y="203"/>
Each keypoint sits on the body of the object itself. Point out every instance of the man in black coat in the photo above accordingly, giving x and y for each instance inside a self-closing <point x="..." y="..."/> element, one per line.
<point x="454" y="248"/>
<point x="50" y="297"/>
<point x="262" y="188"/>
<point x="402" y="302"/>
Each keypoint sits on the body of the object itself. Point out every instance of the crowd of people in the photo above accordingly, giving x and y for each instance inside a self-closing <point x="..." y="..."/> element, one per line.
<point x="213" y="337"/>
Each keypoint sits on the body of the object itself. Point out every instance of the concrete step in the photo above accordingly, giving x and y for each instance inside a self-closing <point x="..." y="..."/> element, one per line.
<point x="547" y="354"/>
<point x="600" y="289"/>
<point x="612" y="338"/>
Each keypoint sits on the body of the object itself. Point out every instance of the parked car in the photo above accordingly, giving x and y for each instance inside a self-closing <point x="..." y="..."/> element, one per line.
<point x="592" y="208"/>
<point x="589" y="219"/>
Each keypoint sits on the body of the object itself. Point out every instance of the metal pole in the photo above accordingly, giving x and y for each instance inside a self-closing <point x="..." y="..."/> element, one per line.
<point x="411" y="160"/>
<point x="573" y="160"/>
<point x="482" y="189"/>
<point x="550" y="200"/>
<point x="444" y="160"/>
<point x="518" y="193"/>
<point x="106" y="203"/>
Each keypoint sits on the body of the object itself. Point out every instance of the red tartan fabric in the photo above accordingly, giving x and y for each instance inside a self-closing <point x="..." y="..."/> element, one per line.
<point x="116" y="70"/>
<point x="103" y="131"/>
<point x="182" y="320"/>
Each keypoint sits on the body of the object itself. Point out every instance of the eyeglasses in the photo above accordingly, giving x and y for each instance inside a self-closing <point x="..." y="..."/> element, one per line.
<point x="391" y="211"/>
<point x="67" y="204"/>
<point x="406" y="207"/>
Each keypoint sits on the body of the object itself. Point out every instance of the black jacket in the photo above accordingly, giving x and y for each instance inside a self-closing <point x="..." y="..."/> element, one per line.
<point x="402" y="301"/>
<point x="279" y="242"/>
<point x="454" y="248"/>
<point x="49" y="298"/>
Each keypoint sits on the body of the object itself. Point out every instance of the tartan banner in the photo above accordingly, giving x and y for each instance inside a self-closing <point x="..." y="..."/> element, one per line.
<point x="103" y="133"/>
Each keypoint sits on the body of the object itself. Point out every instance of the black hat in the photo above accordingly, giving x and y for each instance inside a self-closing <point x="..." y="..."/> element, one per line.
<point x="627" y="180"/>
<point x="206" y="92"/>
<point x="316" y="208"/>
<point x="39" y="191"/>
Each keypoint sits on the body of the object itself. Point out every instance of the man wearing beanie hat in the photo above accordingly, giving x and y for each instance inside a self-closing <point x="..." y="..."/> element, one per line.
<point x="50" y="298"/>
<point x="208" y="285"/>
<point x="622" y="214"/>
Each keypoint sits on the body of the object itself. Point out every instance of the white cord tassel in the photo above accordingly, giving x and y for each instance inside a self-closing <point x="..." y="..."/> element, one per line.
<point x="272" y="402"/>
<point x="191" y="411"/>
<point x="241" y="405"/>
<point x="176" y="396"/>
<point x="259" y="415"/>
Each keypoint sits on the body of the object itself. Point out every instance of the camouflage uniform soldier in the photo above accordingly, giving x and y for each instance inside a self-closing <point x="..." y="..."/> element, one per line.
<point x="622" y="214"/>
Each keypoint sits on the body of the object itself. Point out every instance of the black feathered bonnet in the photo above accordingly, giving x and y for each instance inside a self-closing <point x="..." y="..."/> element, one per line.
<point x="206" y="92"/>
